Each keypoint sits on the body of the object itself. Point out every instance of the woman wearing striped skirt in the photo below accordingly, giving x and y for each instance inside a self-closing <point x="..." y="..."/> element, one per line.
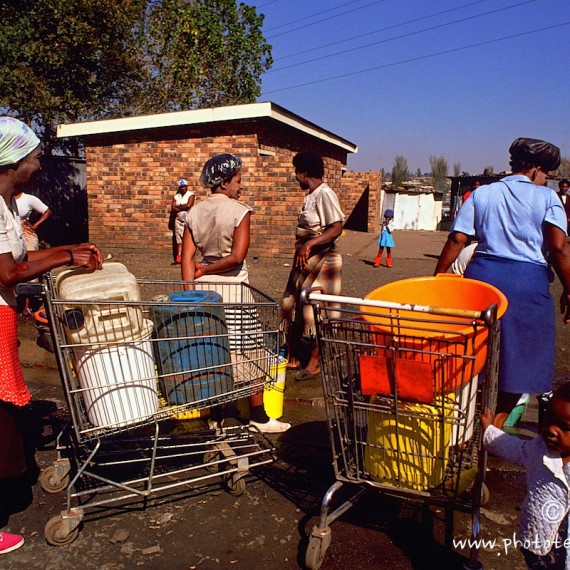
<point x="19" y="161"/>
<point x="520" y="225"/>
<point x="317" y="262"/>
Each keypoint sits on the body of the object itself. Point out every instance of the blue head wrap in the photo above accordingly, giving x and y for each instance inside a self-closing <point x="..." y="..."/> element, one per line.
<point x="219" y="168"/>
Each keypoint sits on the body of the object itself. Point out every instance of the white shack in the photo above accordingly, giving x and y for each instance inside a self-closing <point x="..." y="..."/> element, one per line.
<point x="415" y="208"/>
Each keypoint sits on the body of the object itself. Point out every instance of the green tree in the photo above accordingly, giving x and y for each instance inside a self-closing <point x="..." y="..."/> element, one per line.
<point x="204" y="53"/>
<point x="564" y="168"/>
<point x="418" y="173"/>
<point x="400" y="171"/>
<point x="439" y="171"/>
<point x="456" y="168"/>
<point x="64" y="61"/>
<point x="488" y="171"/>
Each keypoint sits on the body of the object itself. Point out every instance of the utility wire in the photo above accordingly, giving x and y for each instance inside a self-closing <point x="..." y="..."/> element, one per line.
<point x="416" y="32"/>
<point x="267" y="4"/>
<point x="419" y="58"/>
<point x="297" y="28"/>
<point x="382" y="29"/>
<point x="319" y="13"/>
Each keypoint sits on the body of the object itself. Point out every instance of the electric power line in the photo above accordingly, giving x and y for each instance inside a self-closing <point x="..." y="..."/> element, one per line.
<point x="323" y="19"/>
<point x="267" y="3"/>
<point x="431" y="28"/>
<point x="305" y="51"/>
<point x="296" y="21"/>
<point x="419" y="58"/>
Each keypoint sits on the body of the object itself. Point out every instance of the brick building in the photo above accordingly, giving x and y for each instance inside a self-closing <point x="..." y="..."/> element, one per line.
<point x="133" y="165"/>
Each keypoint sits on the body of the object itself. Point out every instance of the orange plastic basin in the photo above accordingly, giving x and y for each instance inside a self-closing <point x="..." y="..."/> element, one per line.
<point x="442" y="352"/>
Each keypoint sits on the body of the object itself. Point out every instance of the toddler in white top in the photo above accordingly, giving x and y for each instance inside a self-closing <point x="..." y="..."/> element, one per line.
<point x="544" y="516"/>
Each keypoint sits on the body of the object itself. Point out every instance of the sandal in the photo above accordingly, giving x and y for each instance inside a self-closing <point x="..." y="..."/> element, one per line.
<point x="304" y="375"/>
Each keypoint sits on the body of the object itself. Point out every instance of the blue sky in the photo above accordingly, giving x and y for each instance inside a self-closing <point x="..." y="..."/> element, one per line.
<point x="395" y="97"/>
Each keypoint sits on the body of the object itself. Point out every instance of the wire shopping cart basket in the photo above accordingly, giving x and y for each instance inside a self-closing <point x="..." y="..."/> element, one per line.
<point x="403" y="386"/>
<point x="135" y="362"/>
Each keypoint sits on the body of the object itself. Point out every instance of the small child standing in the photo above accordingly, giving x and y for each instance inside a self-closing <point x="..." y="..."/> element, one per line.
<point x="385" y="240"/>
<point x="544" y="519"/>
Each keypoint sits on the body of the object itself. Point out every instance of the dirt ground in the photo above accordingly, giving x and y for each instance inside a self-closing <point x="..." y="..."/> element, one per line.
<point x="206" y="528"/>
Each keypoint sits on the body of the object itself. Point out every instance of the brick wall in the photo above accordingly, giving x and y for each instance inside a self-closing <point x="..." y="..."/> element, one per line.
<point x="132" y="177"/>
<point x="361" y="192"/>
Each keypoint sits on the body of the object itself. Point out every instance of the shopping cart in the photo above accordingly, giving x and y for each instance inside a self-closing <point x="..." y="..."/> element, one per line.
<point x="138" y="376"/>
<point x="403" y="387"/>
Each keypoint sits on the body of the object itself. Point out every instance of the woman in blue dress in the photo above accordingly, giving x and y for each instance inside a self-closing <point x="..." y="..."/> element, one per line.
<point x="520" y="225"/>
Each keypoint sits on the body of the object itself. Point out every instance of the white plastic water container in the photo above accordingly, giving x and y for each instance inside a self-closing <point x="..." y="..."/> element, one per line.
<point x="465" y="414"/>
<point x="102" y="322"/>
<point x="118" y="381"/>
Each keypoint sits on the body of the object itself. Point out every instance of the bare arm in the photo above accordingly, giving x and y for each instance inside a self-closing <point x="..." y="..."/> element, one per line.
<point x="560" y="259"/>
<point x="84" y="255"/>
<point x="188" y="264"/>
<point x="42" y="219"/>
<point x="452" y="248"/>
<point x="329" y="235"/>
<point x="183" y="207"/>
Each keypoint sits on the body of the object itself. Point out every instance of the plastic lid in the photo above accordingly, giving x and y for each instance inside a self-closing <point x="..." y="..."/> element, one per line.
<point x="195" y="297"/>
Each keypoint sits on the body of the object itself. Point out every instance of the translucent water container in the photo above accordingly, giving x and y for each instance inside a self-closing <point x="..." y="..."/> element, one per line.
<point x="102" y="322"/>
<point x="118" y="381"/>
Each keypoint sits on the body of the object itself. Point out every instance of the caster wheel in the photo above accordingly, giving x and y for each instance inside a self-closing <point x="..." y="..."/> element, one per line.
<point x="485" y="494"/>
<point x="315" y="554"/>
<point x="48" y="482"/>
<point x="235" y="484"/>
<point x="209" y="457"/>
<point x="53" y="532"/>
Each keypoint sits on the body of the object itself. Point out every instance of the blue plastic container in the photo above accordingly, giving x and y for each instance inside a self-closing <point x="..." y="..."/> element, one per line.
<point x="193" y="359"/>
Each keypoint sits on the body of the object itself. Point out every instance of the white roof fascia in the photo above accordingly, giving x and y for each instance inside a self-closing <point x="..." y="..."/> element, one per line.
<point x="201" y="116"/>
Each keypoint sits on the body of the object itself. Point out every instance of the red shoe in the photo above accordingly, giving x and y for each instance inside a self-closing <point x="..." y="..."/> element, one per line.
<point x="9" y="542"/>
<point x="178" y="259"/>
<point x="377" y="261"/>
<point x="389" y="262"/>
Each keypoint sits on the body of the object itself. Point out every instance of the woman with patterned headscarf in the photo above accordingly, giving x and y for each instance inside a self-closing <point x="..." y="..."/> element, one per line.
<point x="19" y="161"/>
<point x="218" y="228"/>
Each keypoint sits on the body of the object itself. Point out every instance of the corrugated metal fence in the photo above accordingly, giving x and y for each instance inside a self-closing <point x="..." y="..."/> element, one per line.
<point x="61" y="184"/>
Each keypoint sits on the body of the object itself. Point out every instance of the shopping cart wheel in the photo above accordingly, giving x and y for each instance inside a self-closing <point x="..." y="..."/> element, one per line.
<point x="235" y="484"/>
<point x="485" y="494"/>
<point x="50" y="483"/>
<point x="55" y="534"/>
<point x="316" y="550"/>
<point x="209" y="458"/>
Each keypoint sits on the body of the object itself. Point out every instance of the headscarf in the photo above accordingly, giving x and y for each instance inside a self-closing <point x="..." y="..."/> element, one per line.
<point x="219" y="168"/>
<point x="17" y="140"/>
<point x="537" y="152"/>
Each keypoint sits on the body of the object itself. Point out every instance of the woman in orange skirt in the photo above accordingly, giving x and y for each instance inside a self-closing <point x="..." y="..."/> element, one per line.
<point x="19" y="162"/>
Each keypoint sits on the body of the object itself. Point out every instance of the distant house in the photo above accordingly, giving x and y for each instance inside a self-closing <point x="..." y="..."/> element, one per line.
<point x="415" y="207"/>
<point x="133" y="165"/>
<point x="462" y="184"/>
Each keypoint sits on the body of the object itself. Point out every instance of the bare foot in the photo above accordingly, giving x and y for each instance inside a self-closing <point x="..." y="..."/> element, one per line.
<point x="313" y="366"/>
<point x="293" y="363"/>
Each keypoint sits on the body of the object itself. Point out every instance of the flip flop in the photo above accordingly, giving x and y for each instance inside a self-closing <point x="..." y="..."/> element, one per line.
<point x="304" y="375"/>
